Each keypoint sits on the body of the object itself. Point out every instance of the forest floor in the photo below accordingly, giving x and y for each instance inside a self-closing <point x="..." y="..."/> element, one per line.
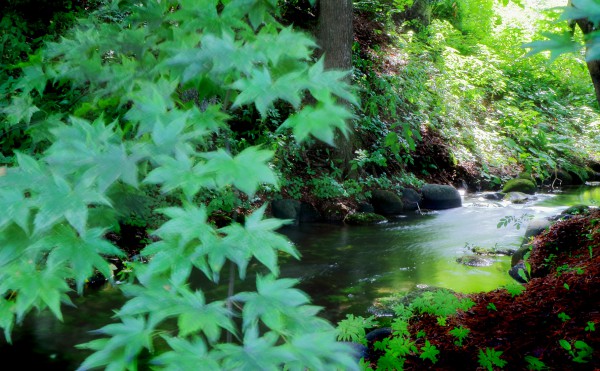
<point x="559" y="308"/>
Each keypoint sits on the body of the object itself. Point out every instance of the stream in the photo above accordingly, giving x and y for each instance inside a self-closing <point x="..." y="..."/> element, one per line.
<point x="343" y="268"/>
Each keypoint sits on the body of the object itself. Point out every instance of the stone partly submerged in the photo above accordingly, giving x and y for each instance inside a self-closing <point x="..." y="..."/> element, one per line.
<point x="386" y="202"/>
<point x="364" y="219"/>
<point x="440" y="197"/>
<point x="474" y="261"/>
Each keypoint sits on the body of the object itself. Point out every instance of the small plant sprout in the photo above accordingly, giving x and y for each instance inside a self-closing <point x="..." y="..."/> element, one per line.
<point x="421" y="334"/>
<point x="441" y="321"/>
<point x="535" y="364"/>
<point x="591" y="326"/>
<point x="490" y="358"/>
<point x="566" y="286"/>
<point x="514" y="289"/>
<point x="492" y="306"/>
<point x="429" y="352"/>
<point x="460" y="333"/>
<point x="579" y="351"/>
<point x="564" y="317"/>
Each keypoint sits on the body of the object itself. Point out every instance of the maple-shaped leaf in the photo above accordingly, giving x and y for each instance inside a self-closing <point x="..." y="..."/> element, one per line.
<point x="287" y="43"/>
<point x="7" y="317"/>
<point x="582" y="9"/>
<point x="256" y="352"/>
<point x="33" y="78"/>
<point x="187" y="223"/>
<point x="320" y="121"/>
<point x="272" y="301"/>
<point x="20" y="109"/>
<point x="82" y="253"/>
<point x="92" y="149"/>
<point x="15" y="242"/>
<point x="150" y="100"/>
<point x="57" y="199"/>
<point x="180" y="172"/>
<point x="246" y="171"/>
<point x="322" y="83"/>
<point x="319" y="351"/>
<point x="226" y="54"/>
<point x="186" y="354"/>
<point x="15" y="208"/>
<point x="257" y="89"/>
<point x="556" y="43"/>
<point x="120" y="351"/>
<point x="39" y="287"/>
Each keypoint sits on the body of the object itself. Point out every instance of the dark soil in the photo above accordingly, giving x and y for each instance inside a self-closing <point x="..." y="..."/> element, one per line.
<point x="565" y="270"/>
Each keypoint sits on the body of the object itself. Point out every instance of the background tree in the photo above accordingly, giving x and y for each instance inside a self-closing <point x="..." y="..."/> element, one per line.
<point x="335" y="38"/>
<point x="588" y="27"/>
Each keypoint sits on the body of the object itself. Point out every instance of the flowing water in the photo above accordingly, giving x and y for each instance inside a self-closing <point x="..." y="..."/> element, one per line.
<point x="343" y="268"/>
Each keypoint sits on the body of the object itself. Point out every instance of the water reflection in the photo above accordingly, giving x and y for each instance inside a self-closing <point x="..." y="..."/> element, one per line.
<point x="343" y="268"/>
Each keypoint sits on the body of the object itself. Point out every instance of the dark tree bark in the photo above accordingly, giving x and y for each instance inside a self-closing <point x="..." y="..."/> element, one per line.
<point x="587" y="27"/>
<point x="335" y="37"/>
<point x="335" y="33"/>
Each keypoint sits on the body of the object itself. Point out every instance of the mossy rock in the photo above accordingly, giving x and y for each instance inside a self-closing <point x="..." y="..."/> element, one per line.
<point x="386" y="202"/>
<point x="364" y="219"/>
<point x="519" y="185"/>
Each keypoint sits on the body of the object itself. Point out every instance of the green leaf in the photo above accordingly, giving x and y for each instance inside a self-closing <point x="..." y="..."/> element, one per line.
<point x="82" y="253"/>
<point x="57" y="199"/>
<point x="271" y="303"/>
<point x="127" y="339"/>
<point x="429" y="352"/>
<point x="246" y="171"/>
<point x="565" y="344"/>
<point x="324" y="83"/>
<point x="557" y="44"/>
<point x="589" y="9"/>
<point x="319" y="121"/>
<point x="15" y="208"/>
<point x="258" y="239"/>
<point x="256" y="353"/>
<point x="185" y="355"/>
<point x="21" y="109"/>
<point x="180" y="172"/>
<point x="33" y="78"/>
<point x="187" y="223"/>
<point x="92" y="149"/>
<point x="534" y="363"/>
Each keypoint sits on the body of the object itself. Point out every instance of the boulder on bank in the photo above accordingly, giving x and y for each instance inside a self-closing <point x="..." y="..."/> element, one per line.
<point x="364" y="219"/>
<point x="386" y="202"/>
<point x="299" y="212"/>
<point x="286" y="209"/>
<point x="440" y="197"/>
<point x="535" y="227"/>
<point x="411" y="199"/>
<point x="519" y="185"/>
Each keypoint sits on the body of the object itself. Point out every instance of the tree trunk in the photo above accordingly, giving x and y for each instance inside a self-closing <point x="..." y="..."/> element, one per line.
<point x="335" y="37"/>
<point x="587" y="27"/>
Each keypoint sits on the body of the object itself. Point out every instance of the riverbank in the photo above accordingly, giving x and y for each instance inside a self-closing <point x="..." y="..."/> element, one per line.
<point x="551" y="324"/>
